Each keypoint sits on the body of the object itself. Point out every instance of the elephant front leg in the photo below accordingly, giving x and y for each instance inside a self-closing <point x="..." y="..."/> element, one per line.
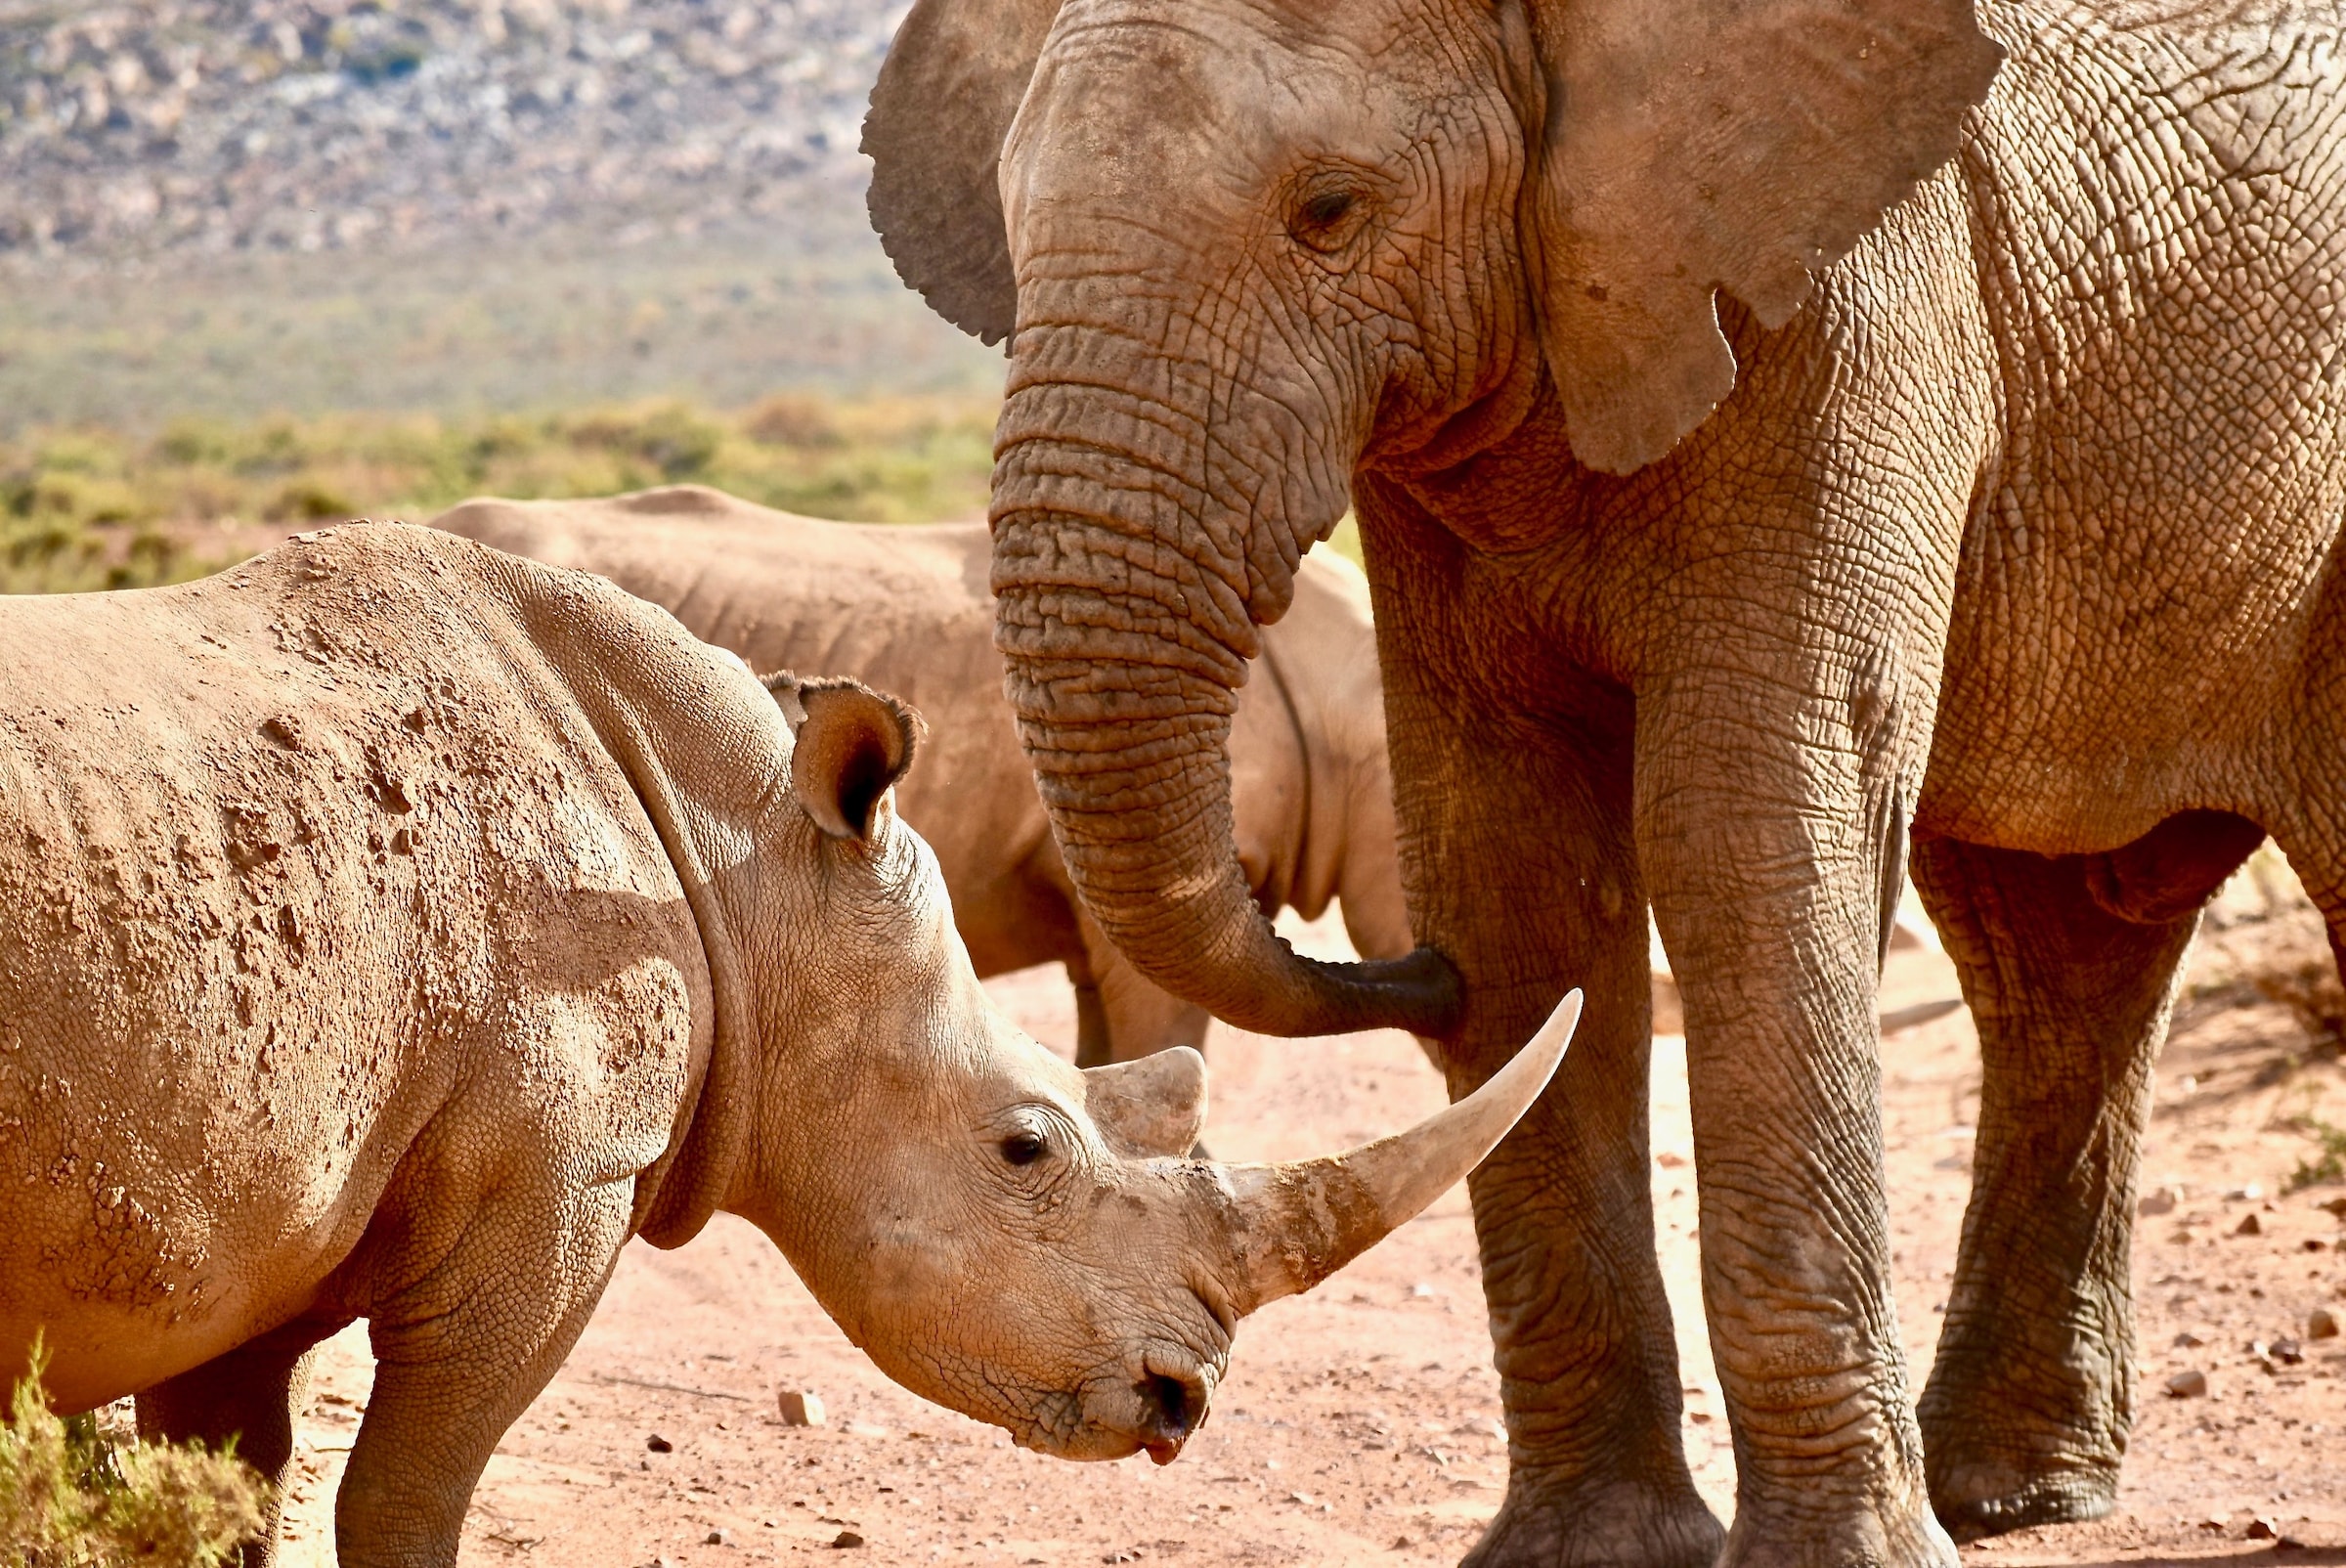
<point x="1521" y="869"/>
<point x="1772" y="867"/>
<point x="2026" y="1414"/>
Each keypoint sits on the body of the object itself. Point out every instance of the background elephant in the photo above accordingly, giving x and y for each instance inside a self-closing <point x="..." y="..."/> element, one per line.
<point x="1774" y="426"/>
<point x="907" y="610"/>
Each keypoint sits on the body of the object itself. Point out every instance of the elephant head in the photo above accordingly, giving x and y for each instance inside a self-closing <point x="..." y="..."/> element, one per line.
<point x="1243" y="248"/>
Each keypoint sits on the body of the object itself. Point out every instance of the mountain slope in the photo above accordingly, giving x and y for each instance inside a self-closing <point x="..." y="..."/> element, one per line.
<point x="212" y="126"/>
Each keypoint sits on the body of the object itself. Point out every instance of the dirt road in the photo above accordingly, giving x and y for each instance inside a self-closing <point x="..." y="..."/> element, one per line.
<point x="1359" y="1423"/>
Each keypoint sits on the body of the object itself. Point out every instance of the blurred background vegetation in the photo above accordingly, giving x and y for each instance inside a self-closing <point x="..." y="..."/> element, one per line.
<point x="92" y="506"/>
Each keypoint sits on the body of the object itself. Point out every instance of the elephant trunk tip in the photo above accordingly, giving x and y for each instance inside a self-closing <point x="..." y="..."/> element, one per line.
<point x="1420" y="992"/>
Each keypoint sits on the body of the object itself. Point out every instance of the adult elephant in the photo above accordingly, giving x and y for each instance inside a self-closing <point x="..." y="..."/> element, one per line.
<point x="1772" y="427"/>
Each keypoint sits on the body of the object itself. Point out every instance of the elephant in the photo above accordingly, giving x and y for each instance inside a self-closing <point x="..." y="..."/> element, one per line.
<point x="907" y="609"/>
<point x="400" y="927"/>
<point x="1788" y="438"/>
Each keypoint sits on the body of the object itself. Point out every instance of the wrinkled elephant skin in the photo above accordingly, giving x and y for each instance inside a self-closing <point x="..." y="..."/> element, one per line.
<point x="399" y="927"/>
<point x="907" y="609"/>
<point x="1780" y="430"/>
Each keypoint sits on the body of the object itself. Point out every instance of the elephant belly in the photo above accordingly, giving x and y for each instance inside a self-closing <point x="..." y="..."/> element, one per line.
<point x="2140" y="594"/>
<point x="2109" y="669"/>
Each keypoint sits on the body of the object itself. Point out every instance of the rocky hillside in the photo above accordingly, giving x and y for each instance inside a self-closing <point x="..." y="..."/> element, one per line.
<point x="148" y="128"/>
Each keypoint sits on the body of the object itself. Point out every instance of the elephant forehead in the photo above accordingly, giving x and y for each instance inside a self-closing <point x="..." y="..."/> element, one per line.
<point x="1210" y="79"/>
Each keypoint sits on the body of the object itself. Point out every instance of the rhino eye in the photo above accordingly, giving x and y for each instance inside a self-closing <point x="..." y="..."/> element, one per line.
<point x="1025" y="1148"/>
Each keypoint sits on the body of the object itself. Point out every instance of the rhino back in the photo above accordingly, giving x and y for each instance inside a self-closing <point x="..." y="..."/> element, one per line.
<point x="903" y="608"/>
<point x="298" y="865"/>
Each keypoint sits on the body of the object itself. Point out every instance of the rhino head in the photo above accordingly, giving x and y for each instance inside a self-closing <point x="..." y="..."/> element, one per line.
<point x="1003" y="1232"/>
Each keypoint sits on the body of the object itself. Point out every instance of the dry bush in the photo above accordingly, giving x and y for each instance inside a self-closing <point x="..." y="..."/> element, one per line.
<point x="72" y="1496"/>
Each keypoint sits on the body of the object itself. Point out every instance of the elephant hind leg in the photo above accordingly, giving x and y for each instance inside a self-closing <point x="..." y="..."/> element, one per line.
<point x="2069" y="964"/>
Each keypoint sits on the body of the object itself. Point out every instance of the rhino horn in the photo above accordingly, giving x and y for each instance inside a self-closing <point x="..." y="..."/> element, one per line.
<point x="1290" y="1226"/>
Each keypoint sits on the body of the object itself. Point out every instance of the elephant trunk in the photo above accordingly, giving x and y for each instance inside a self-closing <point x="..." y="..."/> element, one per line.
<point x="1124" y="653"/>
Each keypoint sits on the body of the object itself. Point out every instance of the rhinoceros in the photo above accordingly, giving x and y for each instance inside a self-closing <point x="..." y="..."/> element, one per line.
<point x="396" y="928"/>
<point x="907" y="609"/>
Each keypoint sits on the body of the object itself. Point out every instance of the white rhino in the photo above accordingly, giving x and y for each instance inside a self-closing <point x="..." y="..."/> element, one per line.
<point x="397" y="928"/>
<point x="908" y="610"/>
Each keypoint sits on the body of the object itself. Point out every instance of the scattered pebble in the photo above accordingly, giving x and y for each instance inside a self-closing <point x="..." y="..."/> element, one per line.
<point x="659" y="1445"/>
<point x="2248" y="1226"/>
<point x="800" y="1408"/>
<point x="1421" y="1290"/>
<point x="2246" y="1194"/>
<point x="2162" y="1200"/>
<point x="2321" y="1324"/>
<point x="2334" y="1205"/>
<point x="2188" y="1340"/>
<point x="2190" y="1383"/>
<point x="2262" y="1530"/>
<point x="846" y="1539"/>
<point x="2287" y="1352"/>
<point x="719" y="1537"/>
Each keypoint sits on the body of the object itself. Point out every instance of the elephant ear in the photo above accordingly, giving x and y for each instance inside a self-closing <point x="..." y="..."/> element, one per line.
<point x="951" y="85"/>
<point x="1701" y="145"/>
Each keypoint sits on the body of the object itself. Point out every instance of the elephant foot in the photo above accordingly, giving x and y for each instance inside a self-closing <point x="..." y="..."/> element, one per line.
<point x="1802" y="1535"/>
<point x="1979" y="1499"/>
<point x="1618" y="1525"/>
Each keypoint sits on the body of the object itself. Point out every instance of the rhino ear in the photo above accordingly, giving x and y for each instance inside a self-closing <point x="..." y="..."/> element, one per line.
<point x="1742" y="145"/>
<point x="951" y="85"/>
<point x="852" y="746"/>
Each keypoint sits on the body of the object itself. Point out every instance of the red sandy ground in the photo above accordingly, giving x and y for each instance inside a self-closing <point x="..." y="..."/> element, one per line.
<point x="1359" y="1423"/>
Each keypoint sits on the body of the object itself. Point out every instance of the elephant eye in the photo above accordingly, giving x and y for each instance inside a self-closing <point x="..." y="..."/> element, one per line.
<point x="1327" y="218"/>
<point x="1325" y="209"/>
<point x="1025" y="1148"/>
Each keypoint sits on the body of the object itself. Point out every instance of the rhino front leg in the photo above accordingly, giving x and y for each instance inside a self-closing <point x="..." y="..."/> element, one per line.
<point x="2069" y="966"/>
<point x="254" y="1395"/>
<point x="460" y="1354"/>
<point x="1125" y="1016"/>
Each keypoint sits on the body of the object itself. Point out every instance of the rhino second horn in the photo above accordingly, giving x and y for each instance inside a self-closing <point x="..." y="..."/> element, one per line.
<point x="1296" y="1224"/>
<point x="1154" y="1105"/>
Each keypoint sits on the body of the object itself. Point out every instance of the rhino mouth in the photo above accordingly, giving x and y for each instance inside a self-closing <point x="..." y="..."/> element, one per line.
<point x="1153" y="1405"/>
<point x="1174" y="1401"/>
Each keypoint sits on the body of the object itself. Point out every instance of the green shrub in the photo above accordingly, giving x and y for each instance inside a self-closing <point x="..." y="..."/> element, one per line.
<point x="72" y="1496"/>
<point x="307" y="500"/>
<point x="2328" y="1166"/>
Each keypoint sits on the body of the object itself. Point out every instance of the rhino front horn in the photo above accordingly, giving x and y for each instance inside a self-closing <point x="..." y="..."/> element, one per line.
<point x="1294" y="1225"/>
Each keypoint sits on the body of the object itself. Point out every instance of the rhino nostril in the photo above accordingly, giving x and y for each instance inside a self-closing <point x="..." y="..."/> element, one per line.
<point x="1174" y="1407"/>
<point x="1171" y="1397"/>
